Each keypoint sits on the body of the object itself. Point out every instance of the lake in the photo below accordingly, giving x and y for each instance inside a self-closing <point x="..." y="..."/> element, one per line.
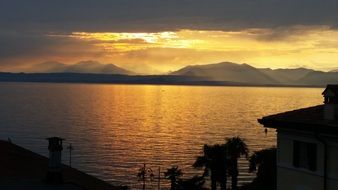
<point x="114" y="129"/>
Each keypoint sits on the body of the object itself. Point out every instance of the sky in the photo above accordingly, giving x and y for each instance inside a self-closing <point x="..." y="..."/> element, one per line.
<point x="157" y="36"/>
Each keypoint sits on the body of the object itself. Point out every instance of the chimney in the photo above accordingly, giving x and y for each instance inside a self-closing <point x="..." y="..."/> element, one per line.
<point x="54" y="173"/>
<point x="331" y="102"/>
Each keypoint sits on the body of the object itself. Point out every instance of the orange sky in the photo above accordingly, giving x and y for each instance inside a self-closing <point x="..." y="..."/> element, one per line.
<point x="154" y="36"/>
<point x="311" y="47"/>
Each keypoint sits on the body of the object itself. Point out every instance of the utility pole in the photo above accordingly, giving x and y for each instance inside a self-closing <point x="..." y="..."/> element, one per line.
<point x="70" y="148"/>
<point x="144" y="177"/>
<point x="143" y="174"/>
<point x="159" y="178"/>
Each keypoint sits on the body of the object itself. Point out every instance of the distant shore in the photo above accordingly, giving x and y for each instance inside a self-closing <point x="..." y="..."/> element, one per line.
<point x="129" y="79"/>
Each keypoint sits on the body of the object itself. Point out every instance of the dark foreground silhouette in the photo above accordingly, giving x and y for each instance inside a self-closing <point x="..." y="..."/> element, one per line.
<point x="23" y="169"/>
<point x="219" y="162"/>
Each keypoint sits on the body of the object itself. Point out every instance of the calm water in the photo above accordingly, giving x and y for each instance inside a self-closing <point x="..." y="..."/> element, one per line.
<point x="116" y="128"/>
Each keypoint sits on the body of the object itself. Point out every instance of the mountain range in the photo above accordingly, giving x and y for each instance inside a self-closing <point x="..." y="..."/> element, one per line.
<point x="80" y="67"/>
<point x="245" y="73"/>
<point x="218" y="73"/>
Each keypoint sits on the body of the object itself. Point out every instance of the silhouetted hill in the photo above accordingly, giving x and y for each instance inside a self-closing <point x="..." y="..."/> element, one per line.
<point x="319" y="78"/>
<point x="142" y="69"/>
<point x="287" y="76"/>
<point x="244" y="73"/>
<point x="227" y="71"/>
<point x="114" y="79"/>
<point x="131" y="79"/>
<point x="81" y="67"/>
<point x="48" y="67"/>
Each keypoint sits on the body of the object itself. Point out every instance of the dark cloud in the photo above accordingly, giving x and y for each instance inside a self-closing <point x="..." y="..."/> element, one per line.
<point x="158" y="15"/>
<point x="25" y="24"/>
<point x="16" y="43"/>
<point x="284" y="33"/>
<point x="25" y="46"/>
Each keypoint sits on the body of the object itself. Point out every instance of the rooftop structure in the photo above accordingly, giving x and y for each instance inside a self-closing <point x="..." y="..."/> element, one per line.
<point x="54" y="173"/>
<point x="307" y="145"/>
<point x="23" y="169"/>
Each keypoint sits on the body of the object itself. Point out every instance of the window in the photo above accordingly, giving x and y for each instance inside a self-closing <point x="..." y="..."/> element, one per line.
<point x="305" y="155"/>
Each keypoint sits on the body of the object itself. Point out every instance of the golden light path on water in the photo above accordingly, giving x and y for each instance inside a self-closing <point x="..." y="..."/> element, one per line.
<point x="116" y="128"/>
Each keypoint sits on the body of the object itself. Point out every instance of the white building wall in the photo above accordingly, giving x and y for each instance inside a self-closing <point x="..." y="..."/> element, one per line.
<point x="288" y="179"/>
<point x="291" y="178"/>
<point x="333" y="159"/>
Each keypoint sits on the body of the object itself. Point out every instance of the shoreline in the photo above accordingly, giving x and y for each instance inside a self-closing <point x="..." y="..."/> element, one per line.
<point x="83" y="78"/>
<point x="172" y="84"/>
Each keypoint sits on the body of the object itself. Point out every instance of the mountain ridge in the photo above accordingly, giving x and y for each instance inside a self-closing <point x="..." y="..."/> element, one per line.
<point x="79" y="67"/>
<point x="228" y="71"/>
<point x="217" y="72"/>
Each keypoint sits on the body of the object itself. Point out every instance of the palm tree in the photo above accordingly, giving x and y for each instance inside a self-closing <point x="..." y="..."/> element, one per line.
<point x="173" y="174"/>
<point x="266" y="174"/>
<point x="236" y="147"/>
<point x="214" y="161"/>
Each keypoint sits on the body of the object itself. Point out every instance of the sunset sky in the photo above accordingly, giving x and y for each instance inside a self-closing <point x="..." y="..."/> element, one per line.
<point x="163" y="35"/>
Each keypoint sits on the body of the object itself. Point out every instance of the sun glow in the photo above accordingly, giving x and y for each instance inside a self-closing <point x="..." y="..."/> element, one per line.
<point x="147" y="37"/>
<point x="135" y="41"/>
<point x="314" y="47"/>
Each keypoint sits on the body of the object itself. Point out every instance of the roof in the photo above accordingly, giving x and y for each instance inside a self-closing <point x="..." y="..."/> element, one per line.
<point x="333" y="88"/>
<point x="29" y="169"/>
<point x="307" y="119"/>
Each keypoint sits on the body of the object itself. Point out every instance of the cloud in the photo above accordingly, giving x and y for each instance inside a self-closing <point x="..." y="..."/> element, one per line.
<point x="38" y="30"/>
<point x="23" y="44"/>
<point x="163" y="15"/>
<point x="18" y="49"/>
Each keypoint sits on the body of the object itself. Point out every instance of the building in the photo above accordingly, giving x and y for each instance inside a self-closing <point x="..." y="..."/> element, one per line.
<point x="23" y="169"/>
<point x="307" y="145"/>
<point x="54" y="173"/>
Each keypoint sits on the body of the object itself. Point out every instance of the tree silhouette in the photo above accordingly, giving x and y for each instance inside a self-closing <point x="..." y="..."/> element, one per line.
<point x="266" y="178"/>
<point x="195" y="183"/>
<point x="214" y="161"/>
<point x="236" y="147"/>
<point x="173" y="175"/>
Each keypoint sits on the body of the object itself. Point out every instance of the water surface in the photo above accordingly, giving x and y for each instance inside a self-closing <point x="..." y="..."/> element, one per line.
<point x="116" y="128"/>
